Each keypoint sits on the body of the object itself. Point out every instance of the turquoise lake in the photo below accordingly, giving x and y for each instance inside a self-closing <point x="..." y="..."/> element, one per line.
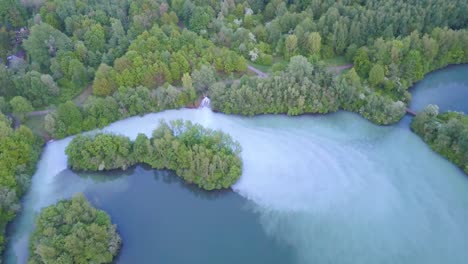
<point x="315" y="189"/>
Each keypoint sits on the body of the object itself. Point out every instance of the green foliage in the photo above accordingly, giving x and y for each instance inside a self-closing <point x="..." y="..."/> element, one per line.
<point x="200" y="18"/>
<point x="446" y="133"/>
<point x="403" y="62"/>
<point x="97" y="112"/>
<point x="99" y="152"/>
<point x="7" y="86"/>
<point x="45" y="42"/>
<point x="19" y="150"/>
<point x="12" y="13"/>
<point x="304" y="88"/>
<point x="157" y="57"/>
<point x="38" y="88"/>
<point x="103" y="81"/>
<point x="376" y="75"/>
<point x="362" y="63"/>
<point x="66" y="120"/>
<point x="207" y="158"/>
<point x="20" y="106"/>
<point x="301" y="88"/>
<point x="314" y="43"/>
<point x="203" y="78"/>
<point x="72" y="231"/>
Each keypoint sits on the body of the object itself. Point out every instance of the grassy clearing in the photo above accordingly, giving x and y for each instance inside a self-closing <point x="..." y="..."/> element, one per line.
<point x="337" y="61"/>
<point x="36" y="124"/>
<point x="268" y="69"/>
<point x="81" y="98"/>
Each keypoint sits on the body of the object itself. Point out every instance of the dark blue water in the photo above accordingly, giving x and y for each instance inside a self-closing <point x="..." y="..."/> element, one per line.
<point x="163" y="220"/>
<point x="447" y="88"/>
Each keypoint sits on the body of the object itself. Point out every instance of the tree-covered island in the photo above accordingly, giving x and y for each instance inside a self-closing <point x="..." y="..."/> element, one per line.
<point x="210" y="159"/>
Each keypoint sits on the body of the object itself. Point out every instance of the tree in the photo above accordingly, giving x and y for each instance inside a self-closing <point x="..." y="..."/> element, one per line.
<point x="376" y="75"/>
<point x="100" y="152"/>
<point x="66" y="120"/>
<point x="72" y="231"/>
<point x="95" y="38"/>
<point x="100" y="112"/>
<point x="340" y="36"/>
<point x="362" y="63"/>
<point x="45" y="42"/>
<point x="313" y="44"/>
<point x="200" y="18"/>
<point x="187" y="81"/>
<point x="7" y="86"/>
<point x="38" y="88"/>
<point x="412" y="68"/>
<point x="20" y="107"/>
<point x="104" y="83"/>
<point x="290" y="46"/>
<point x="203" y="78"/>
<point x="4" y="105"/>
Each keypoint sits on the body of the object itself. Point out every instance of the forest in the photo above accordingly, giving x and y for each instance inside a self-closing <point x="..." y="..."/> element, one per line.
<point x="72" y="231"/>
<point x="83" y="64"/>
<point x="446" y="133"/>
<point x="210" y="159"/>
<point x="166" y="54"/>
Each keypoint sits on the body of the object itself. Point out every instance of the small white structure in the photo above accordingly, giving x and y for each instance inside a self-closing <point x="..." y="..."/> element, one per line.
<point x="205" y="102"/>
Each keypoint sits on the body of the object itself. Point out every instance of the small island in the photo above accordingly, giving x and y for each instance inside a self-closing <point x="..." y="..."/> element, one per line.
<point x="72" y="231"/>
<point x="210" y="159"/>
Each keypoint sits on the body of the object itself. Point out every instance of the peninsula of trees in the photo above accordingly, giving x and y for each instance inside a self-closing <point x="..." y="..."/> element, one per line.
<point x="210" y="159"/>
<point x="446" y="133"/>
<point x="72" y="231"/>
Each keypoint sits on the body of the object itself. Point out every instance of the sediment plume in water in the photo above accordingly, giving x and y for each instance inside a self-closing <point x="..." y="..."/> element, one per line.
<point x="333" y="188"/>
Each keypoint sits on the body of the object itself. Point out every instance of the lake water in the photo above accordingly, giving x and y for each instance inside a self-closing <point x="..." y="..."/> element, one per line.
<point x="314" y="189"/>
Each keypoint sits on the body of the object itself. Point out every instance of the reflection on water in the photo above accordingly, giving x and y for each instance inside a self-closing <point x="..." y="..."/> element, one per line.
<point x="162" y="218"/>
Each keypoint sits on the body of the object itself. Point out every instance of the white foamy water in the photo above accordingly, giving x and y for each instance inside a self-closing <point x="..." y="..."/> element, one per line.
<point x="334" y="188"/>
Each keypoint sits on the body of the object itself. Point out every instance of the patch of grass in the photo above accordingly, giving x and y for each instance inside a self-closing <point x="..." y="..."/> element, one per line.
<point x="268" y="69"/>
<point x="263" y="68"/>
<point x="337" y="61"/>
<point x="36" y="124"/>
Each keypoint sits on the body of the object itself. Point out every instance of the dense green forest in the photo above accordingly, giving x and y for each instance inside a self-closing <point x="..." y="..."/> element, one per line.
<point x="207" y="158"/>
<point x="92" y="62"/>
<point x="19" y="151"/>
<point x="72" y="231"/>
<point x="304" y="88"/>
<point x="446" y="133"/>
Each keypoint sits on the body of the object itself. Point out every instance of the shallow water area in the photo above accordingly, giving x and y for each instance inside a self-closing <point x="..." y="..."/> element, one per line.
<point x="315" y="189"/>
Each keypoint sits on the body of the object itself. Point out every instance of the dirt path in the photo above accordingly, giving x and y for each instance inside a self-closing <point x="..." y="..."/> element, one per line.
<point x="80" y="99"/>
<point x="39" y="113"/>
<point x="257" y="71"/>
<point x="340" y="68"/>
